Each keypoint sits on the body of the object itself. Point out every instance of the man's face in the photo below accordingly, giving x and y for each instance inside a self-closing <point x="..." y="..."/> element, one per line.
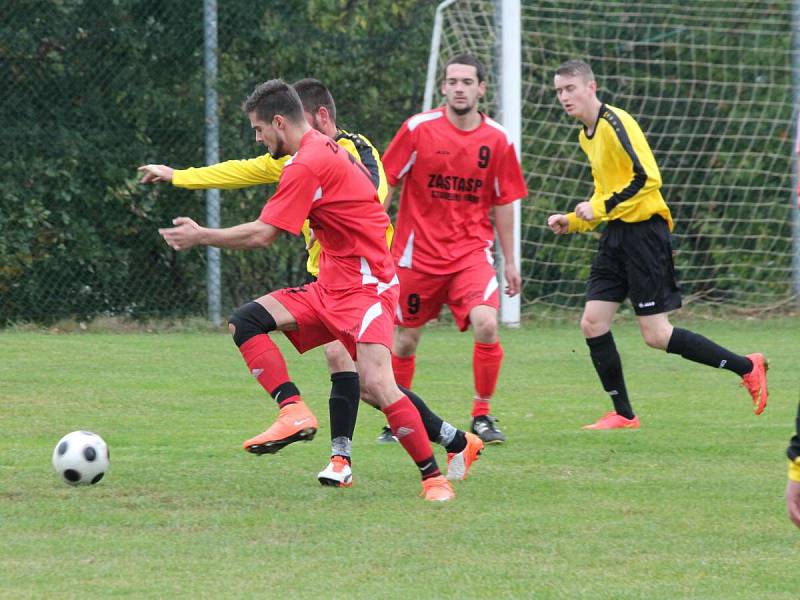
<point x="574" y="93"/>
<point x="461" y="88"/>
<point x="269" y="135"/>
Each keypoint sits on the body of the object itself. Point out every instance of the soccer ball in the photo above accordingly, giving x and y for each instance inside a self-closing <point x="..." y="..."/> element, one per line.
<point x="81" y="458"/>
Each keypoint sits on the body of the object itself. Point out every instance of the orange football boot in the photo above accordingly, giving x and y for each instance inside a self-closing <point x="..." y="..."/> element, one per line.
<point x="437" y="489"/>
<point x="458" y="463"/>
<point x="295" y="423"/>
<point x="613" y="420"/>
<point x="756" y="382"/>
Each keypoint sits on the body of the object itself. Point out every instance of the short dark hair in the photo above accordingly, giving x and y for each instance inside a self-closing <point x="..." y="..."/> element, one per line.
<point x="314" y="95"/>
<point x="275" y="97"/>
<point x="576" y="68"/>
<point x="467" y="59"/>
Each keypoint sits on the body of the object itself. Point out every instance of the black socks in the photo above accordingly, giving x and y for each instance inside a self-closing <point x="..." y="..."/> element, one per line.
<point x="343" y="404"/>
<point x="697" y="348"/>
<point x="608" y="365"/>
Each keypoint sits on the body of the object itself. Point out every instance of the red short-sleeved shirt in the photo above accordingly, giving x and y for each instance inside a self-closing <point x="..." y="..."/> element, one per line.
<point x="324" y="183"/>
<point x="452" y="180"/>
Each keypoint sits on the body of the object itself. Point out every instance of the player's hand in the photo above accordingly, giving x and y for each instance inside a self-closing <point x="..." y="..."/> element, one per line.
<point x="155" y="173"/>
<point x="793" y="501"/>
<point x="513" y="280"/>
<point x="585" y="211"/>
<point x="559" y="224"/>
<point x="185" y="234"/>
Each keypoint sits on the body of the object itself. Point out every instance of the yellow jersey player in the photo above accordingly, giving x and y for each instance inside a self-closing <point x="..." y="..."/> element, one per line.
<point x="793" y="486"/>
<point x="320" y="113"/>
<point x="634" y="259"/>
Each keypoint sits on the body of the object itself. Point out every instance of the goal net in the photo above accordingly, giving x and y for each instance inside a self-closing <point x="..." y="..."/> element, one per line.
<point x="710" y="83"/>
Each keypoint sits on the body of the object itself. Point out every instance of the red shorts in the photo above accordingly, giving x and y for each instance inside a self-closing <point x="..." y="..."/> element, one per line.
<point x="362" y="315"/>
<point x="422" y="295"/>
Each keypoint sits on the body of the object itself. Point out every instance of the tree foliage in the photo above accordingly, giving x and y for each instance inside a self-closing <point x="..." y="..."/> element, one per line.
<point x="92" y="89"/>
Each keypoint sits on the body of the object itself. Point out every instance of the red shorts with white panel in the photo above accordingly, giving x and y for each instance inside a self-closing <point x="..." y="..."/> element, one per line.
<point x="362" y="315"/>
<point x="422" y="295"/>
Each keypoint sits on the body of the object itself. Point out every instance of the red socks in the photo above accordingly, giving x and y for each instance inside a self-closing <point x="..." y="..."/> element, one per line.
<point x="403" y="367"/>
<point x="480" y="408"/>
<point x="266" y="363"/>
<point x="486" y="361"/>
<point x="407" y="425"/>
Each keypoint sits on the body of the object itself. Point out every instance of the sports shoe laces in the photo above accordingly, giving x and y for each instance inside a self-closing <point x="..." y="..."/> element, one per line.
<point x="488" y="422"/>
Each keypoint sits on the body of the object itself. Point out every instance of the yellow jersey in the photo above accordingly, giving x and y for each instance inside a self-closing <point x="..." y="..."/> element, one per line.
<point x="627" y="181"/>
<point x="233" y="174"/>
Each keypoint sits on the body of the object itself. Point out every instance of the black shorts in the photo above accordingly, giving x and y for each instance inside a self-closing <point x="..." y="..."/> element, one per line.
<point x="635" y="261"/>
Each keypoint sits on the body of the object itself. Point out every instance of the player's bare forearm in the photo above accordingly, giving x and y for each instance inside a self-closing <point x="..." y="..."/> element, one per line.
<point x="187" y="234"/>
<point x="513" y="279"/>
<point x="246" y="236"/>
<point x="504" y="223"/>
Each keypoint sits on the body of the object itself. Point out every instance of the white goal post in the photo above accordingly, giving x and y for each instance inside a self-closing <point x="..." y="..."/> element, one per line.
<point x="508" y="113"/>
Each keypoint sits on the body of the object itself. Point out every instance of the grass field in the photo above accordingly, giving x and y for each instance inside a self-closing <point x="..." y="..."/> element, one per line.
<point x="689" y="506"/>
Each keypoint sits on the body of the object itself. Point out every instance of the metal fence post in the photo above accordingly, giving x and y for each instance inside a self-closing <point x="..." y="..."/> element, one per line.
<point x="212" y="152"/>
<point x="795" y="155"/>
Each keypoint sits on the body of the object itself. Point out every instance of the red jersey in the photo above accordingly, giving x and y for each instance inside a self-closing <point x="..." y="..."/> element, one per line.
<point x="452" y="180"/>
<point x="324" y="183"/>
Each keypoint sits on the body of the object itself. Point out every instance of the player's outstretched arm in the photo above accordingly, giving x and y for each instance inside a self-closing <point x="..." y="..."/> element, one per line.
<point x="228" y="175"/>
<point x="187" y="233"/>
<point x="558" y="223"/>
<point x="155" y="173"/>
<point x="793" y="501"/>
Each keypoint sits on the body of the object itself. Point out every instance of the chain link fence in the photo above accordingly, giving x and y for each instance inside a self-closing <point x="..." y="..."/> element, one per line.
<point x="92" y="89"/>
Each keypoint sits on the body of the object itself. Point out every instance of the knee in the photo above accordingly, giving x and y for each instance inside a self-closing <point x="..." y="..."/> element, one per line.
<point x="250" y="320"/>
<point x="485" y="327"/>
<point x="338" y="359"/>
<point x="592" y="327"/>
<point x="655" y="338"/>
<point x="405" y="341"/>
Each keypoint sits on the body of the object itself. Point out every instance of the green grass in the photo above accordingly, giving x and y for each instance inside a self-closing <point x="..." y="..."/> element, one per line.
<point x="690" y="506"/>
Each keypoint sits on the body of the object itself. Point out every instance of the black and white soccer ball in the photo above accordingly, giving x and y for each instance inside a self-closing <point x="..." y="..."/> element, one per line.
<point x="81" y="458"/>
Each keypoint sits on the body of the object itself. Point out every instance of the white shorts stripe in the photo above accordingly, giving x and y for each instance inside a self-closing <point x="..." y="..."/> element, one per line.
<point x="490" y="288"/>
<point x="408" y="252"/>
<point x="373" y="312"/>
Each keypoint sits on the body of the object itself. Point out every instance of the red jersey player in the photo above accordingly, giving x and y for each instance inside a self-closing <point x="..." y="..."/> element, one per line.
<point x="353" y="299"/>
<point x="458" y="165"/>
